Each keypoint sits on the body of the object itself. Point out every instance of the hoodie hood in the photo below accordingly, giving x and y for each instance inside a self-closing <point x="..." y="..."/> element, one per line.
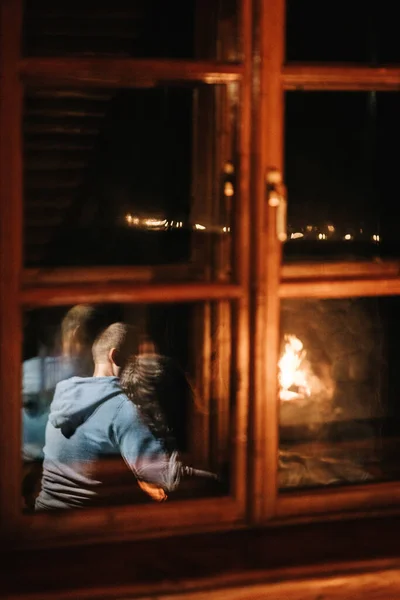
<point x="77" y="398"/>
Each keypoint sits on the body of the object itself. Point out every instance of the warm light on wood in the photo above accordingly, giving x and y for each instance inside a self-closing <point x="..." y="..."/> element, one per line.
<point x="125" y="72"/>
<point x="340" y="77"/>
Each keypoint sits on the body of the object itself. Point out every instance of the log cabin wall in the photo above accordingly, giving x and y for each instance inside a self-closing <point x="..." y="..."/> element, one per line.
<point x="61" y="129"/>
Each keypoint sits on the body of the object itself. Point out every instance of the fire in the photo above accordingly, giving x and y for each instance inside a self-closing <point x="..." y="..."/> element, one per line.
<point x="292" y="374"/>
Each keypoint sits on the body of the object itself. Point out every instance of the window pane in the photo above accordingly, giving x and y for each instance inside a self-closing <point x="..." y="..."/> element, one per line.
<point x="142" y="29"/>
<point x="165" y="387"/>
<point x="341" y="174"/>
<point x="342" y="31"/>
<point x="130" y="177"/>
<point x="339" y="386"/>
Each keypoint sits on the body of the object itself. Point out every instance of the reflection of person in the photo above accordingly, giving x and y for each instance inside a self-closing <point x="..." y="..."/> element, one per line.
<point x="161" y="391"/>
<point x="90" y="420"/>
<point x="40" y="375"/>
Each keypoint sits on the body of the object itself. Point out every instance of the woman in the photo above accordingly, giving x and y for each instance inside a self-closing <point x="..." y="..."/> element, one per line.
<point x="160" y="389"/>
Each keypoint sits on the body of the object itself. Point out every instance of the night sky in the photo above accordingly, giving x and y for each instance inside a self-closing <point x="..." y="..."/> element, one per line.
<point x="341" y="148"/>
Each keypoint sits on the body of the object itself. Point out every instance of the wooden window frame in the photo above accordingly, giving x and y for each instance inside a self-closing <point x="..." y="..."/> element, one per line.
<point x="20" y="288"/>
<point x="277" y="280"/>
<point x="339" y="557"/>
<point x="261" y="282"/>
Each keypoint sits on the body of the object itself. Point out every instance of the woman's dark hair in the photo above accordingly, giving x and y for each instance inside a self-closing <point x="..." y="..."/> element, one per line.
<point x="160" y="389"/>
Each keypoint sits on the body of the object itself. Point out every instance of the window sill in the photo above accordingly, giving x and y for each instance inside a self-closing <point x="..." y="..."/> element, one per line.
<point x="233" y="558"/>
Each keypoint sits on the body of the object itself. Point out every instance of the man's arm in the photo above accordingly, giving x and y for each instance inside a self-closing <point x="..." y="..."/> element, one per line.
<point x="142" y="452"/>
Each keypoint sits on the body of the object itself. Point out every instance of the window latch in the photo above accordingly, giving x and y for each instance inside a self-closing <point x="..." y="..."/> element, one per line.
<point x="276" y="196"/>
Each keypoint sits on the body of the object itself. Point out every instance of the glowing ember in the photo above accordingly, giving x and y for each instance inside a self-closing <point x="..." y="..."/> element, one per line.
<point x="292" y="376"/>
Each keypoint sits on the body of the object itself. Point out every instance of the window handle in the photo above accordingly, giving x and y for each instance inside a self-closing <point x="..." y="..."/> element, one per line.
<point x="276" y="195"/>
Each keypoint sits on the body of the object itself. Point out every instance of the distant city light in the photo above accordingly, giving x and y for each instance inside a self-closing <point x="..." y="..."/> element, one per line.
<point x="154" y="222"/>
<point x="148" y="223"/>
<point x="151" y="223"/>
<point x="330" y="231"/>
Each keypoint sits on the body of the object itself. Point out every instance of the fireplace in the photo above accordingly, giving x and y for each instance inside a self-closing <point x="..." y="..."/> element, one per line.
<point x="338" y="391"/>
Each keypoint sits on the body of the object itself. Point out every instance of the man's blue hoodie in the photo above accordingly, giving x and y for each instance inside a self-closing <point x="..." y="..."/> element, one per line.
<point x="90" y="420"/>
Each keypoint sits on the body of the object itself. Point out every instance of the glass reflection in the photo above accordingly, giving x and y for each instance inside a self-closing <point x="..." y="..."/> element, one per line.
<point x="340" y="171"/>
<point x="341" y="32"/>
<point x="140" y="29"/>
<point x="108" y="402"/>
<point x="338" y="390"/>
<point x="133" y="176"/>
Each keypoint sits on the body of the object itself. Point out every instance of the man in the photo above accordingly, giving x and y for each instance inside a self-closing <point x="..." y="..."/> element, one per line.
<point x="80" y="327"/>
<point x="92" y="420"/>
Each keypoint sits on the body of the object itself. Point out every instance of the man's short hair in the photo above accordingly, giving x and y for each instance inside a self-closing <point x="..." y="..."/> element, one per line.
<point x="120" y="336"/>
<point x="85" y="322"/>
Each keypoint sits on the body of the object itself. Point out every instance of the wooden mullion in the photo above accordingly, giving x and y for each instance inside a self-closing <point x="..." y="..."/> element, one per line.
<point x="199" y="420"/>
<point x="356" y="498"/>
<point x="117" y="274"/>
<point x="340" y="287"/>
<point x="220" y="391"/>
<point x="339" y="269"/>
<point x="76" y="293"/>
<point x="241" y="258"/>
<point x="340" y="77"/>
<point x="124" y="72"/>
<point x="242" y="203"/>
<point x="268" y="140"/>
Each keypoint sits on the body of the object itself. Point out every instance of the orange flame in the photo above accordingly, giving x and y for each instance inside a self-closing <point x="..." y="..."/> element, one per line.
<point x="292" y="377"/>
